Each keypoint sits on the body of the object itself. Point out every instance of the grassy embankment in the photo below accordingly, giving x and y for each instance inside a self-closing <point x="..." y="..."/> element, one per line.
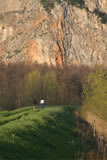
<point x="49" y="134"/>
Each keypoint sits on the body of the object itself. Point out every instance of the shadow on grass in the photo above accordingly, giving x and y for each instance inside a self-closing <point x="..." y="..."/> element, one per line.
<point x="7" y="120"/>
<point x="56" y="139"/>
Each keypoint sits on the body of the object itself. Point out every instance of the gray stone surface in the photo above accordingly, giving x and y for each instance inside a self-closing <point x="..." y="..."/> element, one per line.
<point x="66" y="34"/>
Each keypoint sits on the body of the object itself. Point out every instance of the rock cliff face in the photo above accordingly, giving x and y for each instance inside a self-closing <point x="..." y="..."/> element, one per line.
<point x="96" y="4"/>
<point x="67" y="34"/>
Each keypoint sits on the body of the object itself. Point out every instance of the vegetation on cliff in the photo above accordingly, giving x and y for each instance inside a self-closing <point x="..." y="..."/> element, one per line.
<point x="49" y="4"/>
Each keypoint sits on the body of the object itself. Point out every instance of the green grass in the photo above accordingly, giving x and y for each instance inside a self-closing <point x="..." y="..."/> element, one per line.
<point x="48" y="134"/>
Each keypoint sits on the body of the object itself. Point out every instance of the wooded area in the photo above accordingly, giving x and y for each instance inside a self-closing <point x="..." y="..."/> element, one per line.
<point x="20" y="83"/>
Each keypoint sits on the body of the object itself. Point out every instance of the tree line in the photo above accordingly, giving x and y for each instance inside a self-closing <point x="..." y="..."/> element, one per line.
<point x="67" y="85"/>
<point x="20" y="83"/>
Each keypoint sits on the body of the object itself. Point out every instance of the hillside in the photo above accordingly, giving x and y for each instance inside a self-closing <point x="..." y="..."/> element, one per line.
<point x="49" y="134"/>
<point x="55" y="33"/>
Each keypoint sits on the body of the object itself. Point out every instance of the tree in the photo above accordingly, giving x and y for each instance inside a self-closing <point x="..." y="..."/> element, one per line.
<point x="32" y="88"/>
<point x="50" y="87"/>
<point x="4" y="88"/>
<point x="95" y="93"/>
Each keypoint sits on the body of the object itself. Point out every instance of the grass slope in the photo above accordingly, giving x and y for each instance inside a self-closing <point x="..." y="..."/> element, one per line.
<point x="48" y="134"/>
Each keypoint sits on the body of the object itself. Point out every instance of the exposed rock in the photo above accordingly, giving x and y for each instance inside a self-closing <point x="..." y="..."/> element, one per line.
<point x="99" y="4"/>
<point x="11" y="6"/>
<point x="88" y="43"/>
<point x="102" y="5"/>
<point x="66" y="34"/>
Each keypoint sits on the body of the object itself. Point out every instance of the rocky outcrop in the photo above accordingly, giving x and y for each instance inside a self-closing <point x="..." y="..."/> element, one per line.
<point x="88" y="44"/>
<point x="96" y="4"/>
<point x="67" y="34"/>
